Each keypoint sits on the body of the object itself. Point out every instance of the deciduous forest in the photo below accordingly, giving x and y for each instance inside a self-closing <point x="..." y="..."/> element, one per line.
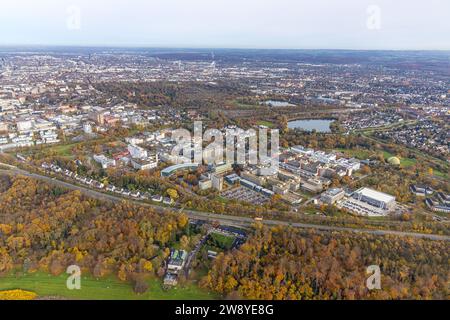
<point x="43" y="228"/>
<point x="47" y="229"/>
<point x="281" y="263"/>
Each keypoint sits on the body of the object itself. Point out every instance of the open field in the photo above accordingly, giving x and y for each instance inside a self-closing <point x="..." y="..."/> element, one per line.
<point x="419" y="155"/>
<point x="222" y="241"/>
<point x="60" y="150"/>
<point x="404" y="162"/>
<point x="266" y="123"/>
<point x="64" y="150"/>
<point x="46" y="285"/>
<point x="356" y="153"/>
<point x="366" y="154"/>
<point x="387" y="127"/>
<point x="441" y="174"/>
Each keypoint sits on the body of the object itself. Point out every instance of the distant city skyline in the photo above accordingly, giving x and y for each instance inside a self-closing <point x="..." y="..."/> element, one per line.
<point x="259" y="24"/>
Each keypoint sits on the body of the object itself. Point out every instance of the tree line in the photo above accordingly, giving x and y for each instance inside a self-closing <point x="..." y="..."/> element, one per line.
<point x="286" y="264"/>
<point x="43" y="228"/>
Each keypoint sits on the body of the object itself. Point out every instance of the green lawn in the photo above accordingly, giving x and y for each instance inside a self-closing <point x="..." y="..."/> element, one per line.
<point x="357" y="153"/>
<point x="441" y="174"/>
<point x="404" y="162"/>
<point x="99" y="289"/>
<point x="221" y="241"/>
<point x="408" y="162"/>
<point x="243" y="106"/>
<point x="265" y="123"/>
<point x="386" y="127"/>
<point x="365" y="154"/>
<point x="64" y="150"/>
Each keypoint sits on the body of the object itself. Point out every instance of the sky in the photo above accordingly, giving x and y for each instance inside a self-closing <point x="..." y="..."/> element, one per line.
<point x="293" y="24"/>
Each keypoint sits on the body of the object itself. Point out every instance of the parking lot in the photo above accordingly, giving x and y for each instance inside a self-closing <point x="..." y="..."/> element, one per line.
<point x="245" y="194"/>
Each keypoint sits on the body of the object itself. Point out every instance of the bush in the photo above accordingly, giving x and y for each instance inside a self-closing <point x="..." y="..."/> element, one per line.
<point x="17" y="295"/>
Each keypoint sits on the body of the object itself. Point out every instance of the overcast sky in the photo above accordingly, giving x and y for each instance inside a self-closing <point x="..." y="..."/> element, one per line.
<point x="308" y="24"/>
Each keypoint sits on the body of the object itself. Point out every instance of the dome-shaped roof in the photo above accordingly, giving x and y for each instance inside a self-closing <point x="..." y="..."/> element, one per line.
<point x="394" y="161"/>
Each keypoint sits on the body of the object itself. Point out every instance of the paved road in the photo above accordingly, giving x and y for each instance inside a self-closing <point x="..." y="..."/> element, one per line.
<point x="236" y="221"/>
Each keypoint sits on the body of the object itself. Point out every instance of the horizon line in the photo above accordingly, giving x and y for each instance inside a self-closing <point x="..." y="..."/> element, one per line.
<point x="122" y="46"/>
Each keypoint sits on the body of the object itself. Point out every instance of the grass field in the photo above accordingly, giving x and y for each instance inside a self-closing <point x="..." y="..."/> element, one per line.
<point x="441" y="174"/>
<point x="366" y="154"/>
<point x="404" y="162"/>
<point x="244" y="106"/>
<point x="421" y="155"/>
<point x="64" y="150"/>
<point x="387" y="127"/>
<point x="221" y="241"/>
<point x="266" y="123"/>
<point x="99" y="289"/>
<point x="357" y="153"/>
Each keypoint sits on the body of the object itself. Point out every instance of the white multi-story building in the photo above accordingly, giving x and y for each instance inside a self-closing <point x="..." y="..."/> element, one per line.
<point x="145" y="163"/>
<point x="104" y="161"/>
<point x="87" y="128"/>
<point x="217" y="182"/>
<point x="3" y="127"/>
<point x="49" y="136"/>
<point x="332" y="196"/>
<point x="369" y="202"/>
<point x="375" y="198"/>
<point x="205" y="184"/>
<point x="23" y="126"/>
<point x="137" y="152"/>
<point x="134" y="140"/>
<point x="302" y="150"/>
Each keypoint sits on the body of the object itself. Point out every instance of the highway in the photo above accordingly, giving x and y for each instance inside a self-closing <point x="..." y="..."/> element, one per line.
<point x="228" y="220"/>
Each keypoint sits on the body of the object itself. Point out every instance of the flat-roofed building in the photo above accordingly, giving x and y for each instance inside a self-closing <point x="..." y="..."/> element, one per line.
<point x="285" y="175"/>
<point x="444" y="198"/>
<point x="3" y="127"/>
<point x="137" y="152"/>
<point x="291" y="198"/>
<point x="184" y="166"/>
<point x="145" y="164"/>
<point x="375" y="198"/>
<point x="312" y="185"/>
<point x="223" y="168"/>
<point x="332" y="196"/>
<point x="232" y="178"/>
<point x="259" y="180"/>
<point x="97" y="114"/>
<point x="302" y="150"/>
<point x="421" y="191"/>
<point x="281" y="188"/>
<point x="217" y="182"/>
<point x="104" y="161"/>
<point x="24" y="125"/>
<point x="205" y="184"/>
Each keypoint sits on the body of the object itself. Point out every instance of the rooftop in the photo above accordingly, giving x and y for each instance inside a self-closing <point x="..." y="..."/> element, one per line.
<point x="380" y="196"/>
<point x="334" y="191"/>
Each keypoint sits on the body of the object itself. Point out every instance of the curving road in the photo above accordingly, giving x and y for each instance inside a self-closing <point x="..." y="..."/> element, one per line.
<point x="237" y="221"/>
